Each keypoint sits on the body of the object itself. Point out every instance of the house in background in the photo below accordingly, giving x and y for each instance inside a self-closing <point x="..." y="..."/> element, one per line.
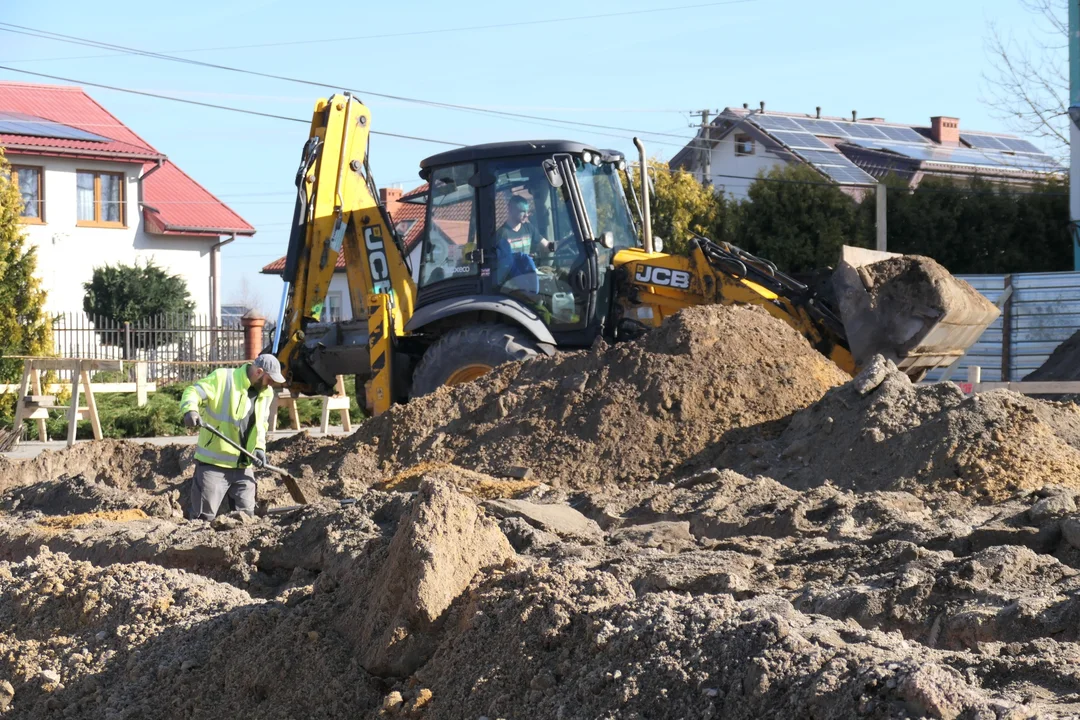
<point x="94" y="192"/>
<point x="406" y="212"/>
<point x="855" y="153"/>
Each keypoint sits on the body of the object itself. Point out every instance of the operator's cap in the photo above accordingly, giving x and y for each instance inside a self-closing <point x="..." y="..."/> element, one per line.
<point x="270" y="364"/>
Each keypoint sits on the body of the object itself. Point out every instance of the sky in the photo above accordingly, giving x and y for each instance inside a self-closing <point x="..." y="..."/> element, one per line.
<point x="642" y="66"/>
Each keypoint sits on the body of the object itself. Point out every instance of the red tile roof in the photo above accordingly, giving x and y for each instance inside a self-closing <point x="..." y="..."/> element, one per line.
<point x="410" y="212"/>
<point x="174" y="204"/>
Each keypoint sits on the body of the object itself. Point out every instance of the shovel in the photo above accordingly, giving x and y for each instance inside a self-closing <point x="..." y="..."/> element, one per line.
<point x="290" y="481"/>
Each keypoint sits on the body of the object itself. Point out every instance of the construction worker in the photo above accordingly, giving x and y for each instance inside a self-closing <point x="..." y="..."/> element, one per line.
<point x="237" y="404"/>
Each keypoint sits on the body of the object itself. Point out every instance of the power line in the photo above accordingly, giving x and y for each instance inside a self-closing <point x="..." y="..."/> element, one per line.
<point x="380" y="36"/>
<point x="213" y="105"/>
<point x="48" y="35"/>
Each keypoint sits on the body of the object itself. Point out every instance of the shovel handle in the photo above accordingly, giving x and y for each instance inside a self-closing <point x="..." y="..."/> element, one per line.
<point x="221" y="436"/>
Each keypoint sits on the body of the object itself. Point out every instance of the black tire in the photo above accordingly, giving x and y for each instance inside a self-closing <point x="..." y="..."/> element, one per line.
<point x="474" y="345"/>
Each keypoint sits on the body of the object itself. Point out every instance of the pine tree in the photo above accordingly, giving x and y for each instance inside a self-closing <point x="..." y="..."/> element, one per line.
<point x="24" y="325"/>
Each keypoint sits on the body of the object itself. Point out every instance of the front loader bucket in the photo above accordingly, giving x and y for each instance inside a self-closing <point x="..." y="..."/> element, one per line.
<point x="908" y="308"/>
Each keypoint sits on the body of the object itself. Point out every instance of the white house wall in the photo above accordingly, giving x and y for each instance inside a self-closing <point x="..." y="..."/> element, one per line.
<point x="725" y="164"/>
<point x="68" y="254"/>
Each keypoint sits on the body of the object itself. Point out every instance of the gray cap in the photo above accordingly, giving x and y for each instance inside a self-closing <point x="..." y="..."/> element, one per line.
<point x="270" y="364"/>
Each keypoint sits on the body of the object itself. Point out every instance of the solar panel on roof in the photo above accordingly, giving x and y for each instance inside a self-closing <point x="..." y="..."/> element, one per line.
<point x="852" y="175"/>
<point x="823" y="127"/>
<point x="823" y="157"/>
<point x="1018" y="145"/>
<point x="12" y="123"/>
<point x="862" y="130"/>
<point x="901" y="134"/>
<point x="775" y="122"/>
<point x="984" y="141"/>
<point x="799" y="140"/>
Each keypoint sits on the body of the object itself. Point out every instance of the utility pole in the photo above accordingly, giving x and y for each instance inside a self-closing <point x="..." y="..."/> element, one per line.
<point x="1074" y="129"/>
<point x="706" y="150"/>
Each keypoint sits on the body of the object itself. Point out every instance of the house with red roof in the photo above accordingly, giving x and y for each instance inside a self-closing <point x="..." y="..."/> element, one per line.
<point x="94" y="192"/>
<point x="406" y="212"/>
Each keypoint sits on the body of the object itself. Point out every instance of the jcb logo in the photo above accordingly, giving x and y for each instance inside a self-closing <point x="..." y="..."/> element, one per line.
<point x="662" y="276"/>
<point x="376" y="257"/>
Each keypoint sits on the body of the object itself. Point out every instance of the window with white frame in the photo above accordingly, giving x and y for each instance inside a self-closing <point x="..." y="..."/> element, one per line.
<point x="744" y="144"/>
<point x="332" y="308"/>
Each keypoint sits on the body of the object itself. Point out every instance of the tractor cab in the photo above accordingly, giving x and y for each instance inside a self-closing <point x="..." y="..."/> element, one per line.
<point x="523" y="229"/>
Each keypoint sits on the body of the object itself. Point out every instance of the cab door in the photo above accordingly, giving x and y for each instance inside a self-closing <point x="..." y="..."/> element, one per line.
<point x="534" y="250"/>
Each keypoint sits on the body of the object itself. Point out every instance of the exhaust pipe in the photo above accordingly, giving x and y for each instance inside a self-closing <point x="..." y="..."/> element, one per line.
<point x="646" y="215"/>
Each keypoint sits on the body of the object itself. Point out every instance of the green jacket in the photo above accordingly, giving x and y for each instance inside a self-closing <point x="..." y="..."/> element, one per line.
<point x="221" y="398"/>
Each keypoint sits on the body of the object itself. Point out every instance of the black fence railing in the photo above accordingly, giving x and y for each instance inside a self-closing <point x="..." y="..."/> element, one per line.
<point x="175" y="347"/>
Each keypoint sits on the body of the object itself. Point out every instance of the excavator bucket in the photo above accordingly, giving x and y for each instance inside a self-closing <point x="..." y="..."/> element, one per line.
<point x="908" y="308"/>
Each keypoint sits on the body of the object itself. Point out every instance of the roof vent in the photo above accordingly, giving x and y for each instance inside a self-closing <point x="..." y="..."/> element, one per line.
<point x="818" y="112"/>
<point x="854" y="116"/>
<point x="762" y="106"/>
<point x="746" y="106"/>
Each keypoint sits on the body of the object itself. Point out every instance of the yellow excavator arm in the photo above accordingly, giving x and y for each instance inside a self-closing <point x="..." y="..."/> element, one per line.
<point x="338" y="212"/>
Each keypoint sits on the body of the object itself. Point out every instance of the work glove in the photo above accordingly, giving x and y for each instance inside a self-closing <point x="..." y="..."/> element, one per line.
<point x="260" y="457"/>
<point x="192" y="419"/>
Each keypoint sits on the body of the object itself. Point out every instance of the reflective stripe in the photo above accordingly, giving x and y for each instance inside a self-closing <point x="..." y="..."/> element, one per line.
<point x="202" y="452"/>
<point x="202" y="392"/>
<point x="223" y="419"/>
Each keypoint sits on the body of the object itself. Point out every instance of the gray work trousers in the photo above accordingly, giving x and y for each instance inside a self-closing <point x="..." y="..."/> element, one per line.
<point x="212" y="483"/>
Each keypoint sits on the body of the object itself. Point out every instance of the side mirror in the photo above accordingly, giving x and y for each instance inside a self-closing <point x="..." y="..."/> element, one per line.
<point x="551" y="172"/>
<point x="607" y="239"/>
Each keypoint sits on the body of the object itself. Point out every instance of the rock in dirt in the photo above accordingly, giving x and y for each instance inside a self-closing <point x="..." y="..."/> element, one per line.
<point x="559" y="519"/>
<point x="667" y="536"/>
<point x="439" y="547"/>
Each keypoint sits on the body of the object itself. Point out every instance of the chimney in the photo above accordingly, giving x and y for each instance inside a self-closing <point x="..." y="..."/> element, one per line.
<point x="762" y="106"/>
<point x="818" y="112"/>
<point x="746" y="106"/>
<point x="854" y="116"/>
<point x="389" y="197"/>
<point x="945" y="130"/>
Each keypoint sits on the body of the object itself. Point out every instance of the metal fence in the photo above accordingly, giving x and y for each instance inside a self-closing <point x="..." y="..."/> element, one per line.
<point x="176" y="347"/>
<point x="1042" y="311"/>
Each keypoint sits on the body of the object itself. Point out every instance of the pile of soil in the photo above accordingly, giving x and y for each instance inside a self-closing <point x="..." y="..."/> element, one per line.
<point x="823" y="603"/>
<point x="629" y="412"/>
<point x="707" y="522"/>
<point x="1062" y="365"/>
<point x="883" y="432"/>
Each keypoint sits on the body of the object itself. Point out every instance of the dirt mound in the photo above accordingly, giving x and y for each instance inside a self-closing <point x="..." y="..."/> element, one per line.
<point x="882" y="432"/>
<point x="437" y="550"/>
<point x="119" y="464"/>
<point x="1062" y="365"/>
<point x="632" y="411"/>
<point x="719" y="596"/>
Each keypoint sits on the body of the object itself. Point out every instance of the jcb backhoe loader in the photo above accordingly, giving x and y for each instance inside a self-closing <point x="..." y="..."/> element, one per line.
<point x="527" y="248"/>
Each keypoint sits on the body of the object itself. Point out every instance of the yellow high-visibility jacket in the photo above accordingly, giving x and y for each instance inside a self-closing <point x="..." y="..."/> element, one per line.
<point x="221" y="398"/>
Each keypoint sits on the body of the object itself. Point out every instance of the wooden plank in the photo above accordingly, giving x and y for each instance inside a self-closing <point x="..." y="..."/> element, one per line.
<point x="20" y="413"/>
<point x="54" y="363"/>
<point x="140" y="384"/>
<point x="73" y="410"/>
<point x="57" y="388"/>
<point x="91" y="405"/>
<point x="35" y="382"/>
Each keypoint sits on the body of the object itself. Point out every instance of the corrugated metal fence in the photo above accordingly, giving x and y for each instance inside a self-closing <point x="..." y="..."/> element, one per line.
<point x="1042" y="311"/>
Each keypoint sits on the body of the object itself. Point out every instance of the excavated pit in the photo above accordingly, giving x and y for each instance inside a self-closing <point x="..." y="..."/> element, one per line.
<point x="709" y="522"/>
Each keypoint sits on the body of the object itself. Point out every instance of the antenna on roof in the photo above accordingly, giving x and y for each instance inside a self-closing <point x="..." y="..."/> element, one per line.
<point x="819" y="112"/>
<point x="762" y="106"/>
<point x="854" y="116"/>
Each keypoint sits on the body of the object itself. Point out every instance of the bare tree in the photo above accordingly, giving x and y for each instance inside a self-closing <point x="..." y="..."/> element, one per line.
<point x="1027" y="85"/>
